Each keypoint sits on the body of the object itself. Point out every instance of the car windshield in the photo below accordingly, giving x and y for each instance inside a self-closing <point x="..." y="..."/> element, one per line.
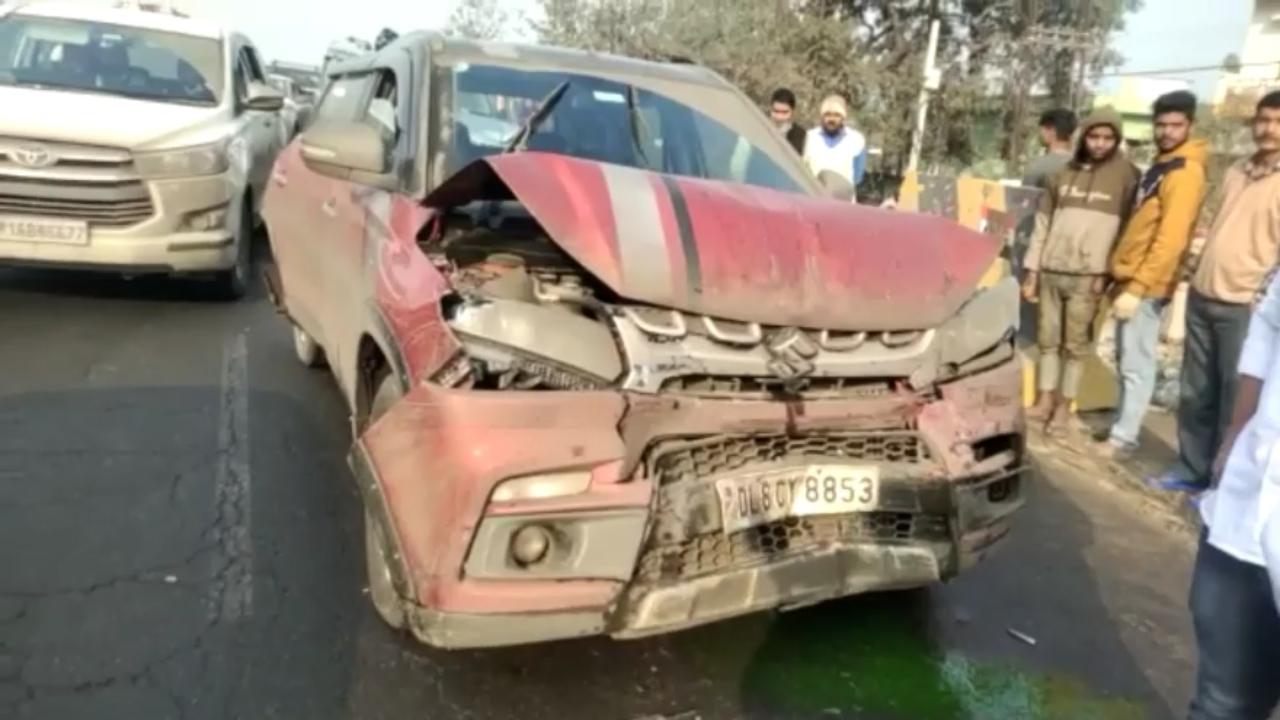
<point x="593" y="119"/>
<point x="112" y="59"/>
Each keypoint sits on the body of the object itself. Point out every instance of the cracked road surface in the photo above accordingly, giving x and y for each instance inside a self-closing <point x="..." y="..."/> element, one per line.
<point x="180" y="540"/>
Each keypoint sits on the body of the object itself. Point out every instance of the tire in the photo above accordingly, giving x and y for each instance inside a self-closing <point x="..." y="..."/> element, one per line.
<point x="309" y="352"/>
<point x="382" y="591"/>
<point x="233" y="284"/>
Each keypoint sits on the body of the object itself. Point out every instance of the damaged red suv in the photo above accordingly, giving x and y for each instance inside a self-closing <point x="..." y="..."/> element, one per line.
<point x="617" y="364"/>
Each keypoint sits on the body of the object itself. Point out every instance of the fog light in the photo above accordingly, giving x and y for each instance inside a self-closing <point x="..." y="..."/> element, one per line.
<point x="205" y="220"/>
<point x="530" y="545"/>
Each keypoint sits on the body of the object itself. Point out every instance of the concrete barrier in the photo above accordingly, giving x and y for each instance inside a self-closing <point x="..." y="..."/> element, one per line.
<point x="1006" y="210"/>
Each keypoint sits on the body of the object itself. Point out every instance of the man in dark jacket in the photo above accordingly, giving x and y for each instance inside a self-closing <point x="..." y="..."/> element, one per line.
<point x="782" y="108"/>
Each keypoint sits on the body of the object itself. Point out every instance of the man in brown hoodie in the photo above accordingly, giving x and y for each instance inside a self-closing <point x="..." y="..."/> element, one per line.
<point x="1081" y="213"/>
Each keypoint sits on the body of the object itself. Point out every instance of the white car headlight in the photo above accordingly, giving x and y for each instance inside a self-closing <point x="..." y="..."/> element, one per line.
<point x="197" y="161"/>
<point x="990" y="317"/>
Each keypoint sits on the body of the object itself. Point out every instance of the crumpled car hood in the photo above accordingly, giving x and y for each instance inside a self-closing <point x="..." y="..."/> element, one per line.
<point x="738" y="252"/>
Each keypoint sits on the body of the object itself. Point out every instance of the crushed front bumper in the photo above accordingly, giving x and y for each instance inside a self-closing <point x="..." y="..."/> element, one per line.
<point x="646" y="555"/>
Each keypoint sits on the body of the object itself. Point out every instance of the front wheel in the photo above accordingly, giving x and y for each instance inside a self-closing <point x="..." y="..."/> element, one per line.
<point x="382" y="591"/>
<point x="378" y="557"/>
<point x="233" y="283"/>
<point x="309" y="352"/>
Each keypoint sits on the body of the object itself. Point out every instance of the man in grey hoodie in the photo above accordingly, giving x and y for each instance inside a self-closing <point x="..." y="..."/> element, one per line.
<point x="1081" y="213"/>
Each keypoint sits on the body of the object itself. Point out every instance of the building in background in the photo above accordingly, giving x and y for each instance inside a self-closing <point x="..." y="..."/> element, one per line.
<point x="1259" y="68"/>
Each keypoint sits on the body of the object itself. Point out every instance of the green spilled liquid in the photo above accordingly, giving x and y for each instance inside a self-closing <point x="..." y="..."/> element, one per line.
<point x="873" y="662"/>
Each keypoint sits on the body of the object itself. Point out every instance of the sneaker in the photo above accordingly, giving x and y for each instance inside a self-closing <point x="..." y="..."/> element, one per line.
<point x="1175" y="483"/>
<point x="1114" y="450"/>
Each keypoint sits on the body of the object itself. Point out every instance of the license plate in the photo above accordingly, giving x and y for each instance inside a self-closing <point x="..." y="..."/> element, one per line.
<point x="39" y="230"/>
<point x="763" y="498"/>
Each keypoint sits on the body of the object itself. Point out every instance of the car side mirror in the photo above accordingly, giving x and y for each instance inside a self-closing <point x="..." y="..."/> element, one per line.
<point x="837" y="186"/>
<point x="263" y="97"/>
<point x="352" y="151"/>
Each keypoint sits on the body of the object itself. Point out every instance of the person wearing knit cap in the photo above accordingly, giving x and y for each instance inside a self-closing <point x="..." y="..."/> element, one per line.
<point x="835" y="146"/>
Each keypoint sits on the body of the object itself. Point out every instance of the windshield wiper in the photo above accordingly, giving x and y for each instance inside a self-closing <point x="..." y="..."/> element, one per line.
<point x="637" y="126"/>
<point x="539" y="116"/>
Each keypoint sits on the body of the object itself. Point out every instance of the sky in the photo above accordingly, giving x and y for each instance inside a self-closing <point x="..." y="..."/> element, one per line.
<point x="1167" y="34"/>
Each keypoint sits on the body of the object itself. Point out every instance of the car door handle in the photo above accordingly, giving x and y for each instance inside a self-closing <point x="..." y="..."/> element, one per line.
<point x="330" y="207"/>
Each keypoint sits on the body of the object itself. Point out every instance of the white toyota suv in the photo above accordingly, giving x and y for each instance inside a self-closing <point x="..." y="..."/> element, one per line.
<point x="131" y="141"/>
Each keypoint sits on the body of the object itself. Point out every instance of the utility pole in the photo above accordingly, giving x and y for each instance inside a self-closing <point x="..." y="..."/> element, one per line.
<point x="930" y="83"/>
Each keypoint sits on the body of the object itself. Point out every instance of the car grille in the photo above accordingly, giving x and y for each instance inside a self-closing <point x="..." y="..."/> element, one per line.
<point x="674" y="461"/>
<point x="671" y="462"/>
<point x="97" y="185"/>
<point x="118" y="204"/>
<point x="715" y="552"/>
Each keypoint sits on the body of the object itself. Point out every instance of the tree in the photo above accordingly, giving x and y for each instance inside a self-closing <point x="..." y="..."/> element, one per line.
<point x="871" y="51"/>
<point x="480" y="19"/>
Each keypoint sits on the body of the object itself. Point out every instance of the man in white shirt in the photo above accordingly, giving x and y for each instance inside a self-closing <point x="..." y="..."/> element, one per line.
<point x="835" y="146"/>
<point x="1237" y="621"/>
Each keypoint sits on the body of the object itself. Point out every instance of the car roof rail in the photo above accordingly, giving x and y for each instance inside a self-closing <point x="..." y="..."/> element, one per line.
<point x="156" y="6"/>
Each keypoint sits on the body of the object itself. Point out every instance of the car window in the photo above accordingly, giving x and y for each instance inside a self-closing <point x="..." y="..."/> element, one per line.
<point x="86" y="56"/>
<point x="382" y="108"/>
<point x="254" y="64"/>
<point x="594" y="120"/>
<point x="344" y="99"/>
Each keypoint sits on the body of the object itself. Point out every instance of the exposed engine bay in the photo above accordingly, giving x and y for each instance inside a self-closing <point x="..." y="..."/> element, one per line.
<point x="530" y="317"/>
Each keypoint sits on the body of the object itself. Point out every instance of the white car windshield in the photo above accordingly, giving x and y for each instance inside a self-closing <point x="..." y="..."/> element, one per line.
<point x="81" y="55"/>
<point x="607" y="121"/>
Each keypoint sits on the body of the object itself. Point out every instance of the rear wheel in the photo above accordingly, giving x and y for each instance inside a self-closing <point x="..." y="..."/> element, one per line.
<point x="377" y="556"/>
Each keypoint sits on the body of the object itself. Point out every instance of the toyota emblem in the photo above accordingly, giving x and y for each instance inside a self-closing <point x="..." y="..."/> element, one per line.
<point x="36" y="156"/>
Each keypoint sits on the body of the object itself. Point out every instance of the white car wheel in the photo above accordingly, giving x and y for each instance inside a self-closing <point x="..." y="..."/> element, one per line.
<point x="307" y="349"/>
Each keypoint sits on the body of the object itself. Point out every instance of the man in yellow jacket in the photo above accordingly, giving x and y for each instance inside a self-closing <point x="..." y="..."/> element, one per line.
<point x="1147" y="260"/>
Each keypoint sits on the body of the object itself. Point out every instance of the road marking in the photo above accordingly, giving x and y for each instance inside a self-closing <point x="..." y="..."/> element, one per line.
<point x="231" y="593"/>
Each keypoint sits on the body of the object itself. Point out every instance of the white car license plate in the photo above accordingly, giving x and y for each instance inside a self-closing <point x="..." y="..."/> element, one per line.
<point x="763" y="498"/>
<point x="40" y="230"/>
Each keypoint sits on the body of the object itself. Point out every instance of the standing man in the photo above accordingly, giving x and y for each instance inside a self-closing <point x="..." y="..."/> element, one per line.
<point x="1147" y="259"/>
<point x="782" y="109"/>
<point x="1083" y="208"/>
<point x="834" y="145"/>
<point x="1056" y="128"/>
<point x="1242" y="249"/>
<point x="1233" y="603"/>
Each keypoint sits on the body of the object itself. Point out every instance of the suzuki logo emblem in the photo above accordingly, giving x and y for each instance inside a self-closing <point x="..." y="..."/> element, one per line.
<point x="791" y="354"/>
<point x="36" y="156"/>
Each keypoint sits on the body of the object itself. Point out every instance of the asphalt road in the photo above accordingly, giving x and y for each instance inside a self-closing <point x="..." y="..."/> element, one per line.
<point x="180" y="539"/>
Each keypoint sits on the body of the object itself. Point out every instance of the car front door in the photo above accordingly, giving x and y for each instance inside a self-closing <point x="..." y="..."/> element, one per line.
<point x="324" y="216"/>
<point x="364" y="216"/>
<point x="262" y="133"/>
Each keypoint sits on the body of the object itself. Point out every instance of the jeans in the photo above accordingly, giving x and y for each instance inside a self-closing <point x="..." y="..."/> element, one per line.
<point x="1238" y="636"/>
<point x="1136" y="342"/>
<point x="1215" y="338"/>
